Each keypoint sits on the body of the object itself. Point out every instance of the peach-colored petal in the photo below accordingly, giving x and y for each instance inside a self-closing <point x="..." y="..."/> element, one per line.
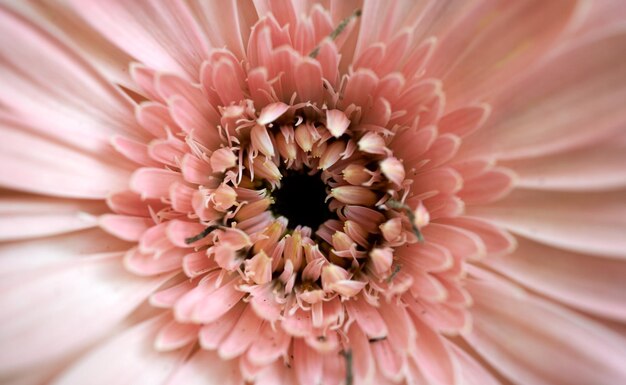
<point x="59" y="114"/>
<point x="584" y="222"/>
<point x="602" y="164"/>
<point x="592" y="284"/>
<point x="204" y="367"/>
<point x="23" y="217"/>
<point x="178" y="50"/>
<point x="128" y="228"/>
<point x="64" y="296"/>
<point x="128" y="356"/>
<point x="565" y="345"/>
<point x="564" y="83"/>
<point x="68" y="171"/>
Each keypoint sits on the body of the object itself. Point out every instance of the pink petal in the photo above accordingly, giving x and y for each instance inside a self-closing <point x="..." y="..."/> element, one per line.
<point x="488" y="186"/>
<point x="464" y="121"/>
<point x="128" y="228"/>
<point x="17" y="257"/>
<point x="588" y="283"/>
<point x="146" y="264"/>
<point x="367" y="317"/>
<point x="269" y="346"/>
<point x="547" y="344"/>
<point x="127" y="357"/>
<point x="471" y="371"/>
<point x="153" y="182"/>
<point x="432" y="356"/>
<point x="442" y="150"/>
<point x="309" y="86"/>
<point x="162" y="36"/>
<point x="175" y="335"/>
<point x="217" y="303"/>
<point x="336" y="122"/>
<point x="92" y="294"/>
<point x="133" y="150"/>
<point x="272" y="112"/>
<point x="204" y="367"/>
<point x="388" y="360"/>
<point x="155" y="118"/>
<point x="212" y="334"/>
<point x="585" y="222"/>
<point x="483" y="52"/>
<point x="130" y="203"/>
<point x="307" y="363"/>
<point x="25" y="155"/>
<point x="23" y="216"/>
<point x="461" y="243"/>
<point x="442" y="180"/>
<point x="602" y="164"/>
<point x="226" y="24"/>
<point x="497" y="241"/>
<point x="242" y="336"/>
<point x="586" y="79"/>
<point x="58" y="94"/>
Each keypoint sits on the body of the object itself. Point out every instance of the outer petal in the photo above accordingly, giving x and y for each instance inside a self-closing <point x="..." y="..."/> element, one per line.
<point x="41" y="315"/>
<point x="602" y="165"/>
<point x="162" y="35"/>
<point x="23" y="216"/>
<point x="592" y="284"/>
<point x="62" y="22"/>
<point x="206" y="368"/>
<point x="591" y="222"/>
<point x="128" y="358"/>
<point x="23" y="256"/>
<point x="532" y="341"/>
<point x="35" y="163"/>
<point x="554" y="107"/>
<point x="60" y="95"/>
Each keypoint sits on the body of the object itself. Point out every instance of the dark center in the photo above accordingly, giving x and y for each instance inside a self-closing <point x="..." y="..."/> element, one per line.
<point x="300" y="199"/>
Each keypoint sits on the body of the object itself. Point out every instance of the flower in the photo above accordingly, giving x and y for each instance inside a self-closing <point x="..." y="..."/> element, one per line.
<point x="292" y="192"/>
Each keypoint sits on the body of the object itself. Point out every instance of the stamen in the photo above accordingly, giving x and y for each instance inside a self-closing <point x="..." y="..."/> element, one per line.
<point x="337" y="31"/>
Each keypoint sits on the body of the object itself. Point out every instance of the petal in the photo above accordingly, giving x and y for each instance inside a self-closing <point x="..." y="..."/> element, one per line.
<point x="205" y="367"/>
<point x="592" y="284"/>
<point x="432" y="356"/>
<point x="226" y="23"/>
<point x="471" y="371"/>
<point x="90" y="294"/>
<point x="367" y="317"/>
<point x="553" y="107"/>
<point x="128" y="228"/>
<point x="602" y="165"/>
<point x="494" y="41"/>
<point x="129" y="357"/>
<point x="20" y="256"/>
<point x="488" y="186"/>
<point x="23" y="216"/>
<point x="153" y="182"/>
<point x="164" y="36"/>
<point x="58" y="94"/>
<point x="591" y="223"/>
<point x="532" y="341"/>
<point x="35" y="163"/>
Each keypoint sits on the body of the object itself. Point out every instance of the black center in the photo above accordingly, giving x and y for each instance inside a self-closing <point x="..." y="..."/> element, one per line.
<point x="300" y="199"/>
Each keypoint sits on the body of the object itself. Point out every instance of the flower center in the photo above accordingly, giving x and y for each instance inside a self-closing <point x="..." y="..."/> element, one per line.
<point x="300" y="199"/>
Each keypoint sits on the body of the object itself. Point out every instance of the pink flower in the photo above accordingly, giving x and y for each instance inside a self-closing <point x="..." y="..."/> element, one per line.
<point x="349" y="192"/>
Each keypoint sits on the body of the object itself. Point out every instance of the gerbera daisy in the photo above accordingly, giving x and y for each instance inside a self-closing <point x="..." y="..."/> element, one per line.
<point x="301" y="192"/>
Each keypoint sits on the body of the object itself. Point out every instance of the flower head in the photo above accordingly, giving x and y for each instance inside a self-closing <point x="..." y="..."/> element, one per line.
<point x="315" y="194"/>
